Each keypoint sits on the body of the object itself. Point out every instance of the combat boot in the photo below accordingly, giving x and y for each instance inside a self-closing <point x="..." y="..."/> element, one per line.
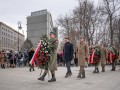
<point x="112" y="69"/>
<point x="97" y="70"/>
<point x="30" y="69"/>
<point x="42" y="77"/>
<point x="33" y="69"/>
<point x="94" y="71"/>
<point x="53" y="79"/>
<point x="79" y="75"/>
<point x="103" y="68"/>
<point x="83" y="75"/>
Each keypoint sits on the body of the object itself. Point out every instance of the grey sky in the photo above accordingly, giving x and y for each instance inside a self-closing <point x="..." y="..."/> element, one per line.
<point x="12" y="11"/>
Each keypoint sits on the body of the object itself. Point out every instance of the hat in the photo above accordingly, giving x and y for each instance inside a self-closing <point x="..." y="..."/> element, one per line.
<point x="81" y="37"/>
<point x="52" y="32"/>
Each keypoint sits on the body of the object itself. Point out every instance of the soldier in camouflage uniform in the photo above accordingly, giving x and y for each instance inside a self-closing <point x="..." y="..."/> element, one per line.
<point x="114" y="62"/>
<point x="52" y="65"/>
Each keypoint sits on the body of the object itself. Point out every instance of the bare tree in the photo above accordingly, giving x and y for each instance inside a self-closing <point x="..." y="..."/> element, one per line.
<point x="87" y="19"/>
<point x="110" y="8"/>
<point x="64" y="23"/>
<point x="92" y="22"/>
<point x="116" y="27"/>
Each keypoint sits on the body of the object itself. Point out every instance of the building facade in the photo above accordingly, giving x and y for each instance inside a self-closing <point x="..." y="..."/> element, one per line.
<point x="38" y="24"/>
<point x="9" y="38"/>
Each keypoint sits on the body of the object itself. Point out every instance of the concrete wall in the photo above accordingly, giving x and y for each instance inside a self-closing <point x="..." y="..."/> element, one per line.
<point x="38" y="25"/>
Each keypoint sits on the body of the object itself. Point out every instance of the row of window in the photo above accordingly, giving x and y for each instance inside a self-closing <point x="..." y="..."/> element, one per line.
<point x="6" y="30"/>
<point x="7" y="45"/>
<point x="11" y="41"/>
<point x="7" y="40"/>
<point x="9" y="34"/>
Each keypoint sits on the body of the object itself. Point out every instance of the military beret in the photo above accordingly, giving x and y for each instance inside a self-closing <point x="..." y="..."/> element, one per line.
<point x="52" y="32"/>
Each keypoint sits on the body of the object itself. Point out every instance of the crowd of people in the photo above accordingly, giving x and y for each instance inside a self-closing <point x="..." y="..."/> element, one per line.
<point x="12" y="59"/>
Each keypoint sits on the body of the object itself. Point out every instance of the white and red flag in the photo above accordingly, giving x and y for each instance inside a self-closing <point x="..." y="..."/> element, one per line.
<point x="35" y="54"/>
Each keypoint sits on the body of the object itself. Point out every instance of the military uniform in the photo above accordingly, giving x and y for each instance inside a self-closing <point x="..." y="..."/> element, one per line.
<point x="52" y="64"/>
<point x="97" y="58"/>
<point x="114" y="62"/>
<point x="53" y="60"/>
<point x="82" y="53"/>
<point x="104" y="57"/>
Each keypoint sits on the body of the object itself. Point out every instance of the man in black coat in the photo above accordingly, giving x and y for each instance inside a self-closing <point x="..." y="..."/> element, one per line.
<point x="68" y="55"/>
<point x="31" y="53"/>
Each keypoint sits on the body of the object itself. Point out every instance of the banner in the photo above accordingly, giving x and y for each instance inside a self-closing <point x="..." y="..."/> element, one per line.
<point x="35" y="54"/>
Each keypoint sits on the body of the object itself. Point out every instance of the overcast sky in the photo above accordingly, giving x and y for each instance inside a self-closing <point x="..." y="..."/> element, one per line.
<point x="12" y="11"/>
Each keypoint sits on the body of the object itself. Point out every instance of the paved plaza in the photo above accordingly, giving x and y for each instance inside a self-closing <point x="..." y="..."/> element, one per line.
<point x="22" y="79"/>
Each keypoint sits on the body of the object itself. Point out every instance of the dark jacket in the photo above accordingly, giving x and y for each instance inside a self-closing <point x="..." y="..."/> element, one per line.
<point x="31" y="55"/>
<point x="68" y="51"/>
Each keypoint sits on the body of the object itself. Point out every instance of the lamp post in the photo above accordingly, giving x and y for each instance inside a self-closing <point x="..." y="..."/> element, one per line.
<point x="19" y="28"/>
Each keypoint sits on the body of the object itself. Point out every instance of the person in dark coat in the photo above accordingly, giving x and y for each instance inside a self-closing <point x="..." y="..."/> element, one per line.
<point x="11" y="58"/>
<point x="31" y="53"/>
<point x="68" y="55"/>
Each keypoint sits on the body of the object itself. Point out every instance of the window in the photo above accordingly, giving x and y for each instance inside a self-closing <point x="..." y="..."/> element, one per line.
<point x="2" y="28"/>
<point x="4" y="45"/>
<point x="4" y="38"/>
<point x="8" y="35"/>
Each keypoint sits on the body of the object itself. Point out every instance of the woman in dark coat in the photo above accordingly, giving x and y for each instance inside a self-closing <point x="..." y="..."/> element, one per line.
<point x="31" y="53"/>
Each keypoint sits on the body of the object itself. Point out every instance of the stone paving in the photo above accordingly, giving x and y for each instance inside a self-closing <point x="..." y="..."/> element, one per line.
<point x="22" y="79"/>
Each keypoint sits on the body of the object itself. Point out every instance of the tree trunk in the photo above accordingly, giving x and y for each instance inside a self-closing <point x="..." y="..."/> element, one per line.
<point x="111" y="31"/>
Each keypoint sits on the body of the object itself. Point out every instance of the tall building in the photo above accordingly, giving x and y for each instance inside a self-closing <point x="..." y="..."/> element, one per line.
<point x="9" y="38"/>
<point x="38" y="24"/>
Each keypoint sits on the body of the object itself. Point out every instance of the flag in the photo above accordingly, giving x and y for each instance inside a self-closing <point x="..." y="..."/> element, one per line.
<point x="35" y="54"/>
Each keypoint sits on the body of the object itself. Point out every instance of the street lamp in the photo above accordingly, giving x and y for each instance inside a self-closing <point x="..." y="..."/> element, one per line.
<point x="19" y="28"/>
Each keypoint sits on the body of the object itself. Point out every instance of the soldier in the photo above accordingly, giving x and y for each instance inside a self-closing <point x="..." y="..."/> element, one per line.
<point x="114" y="61"/>
<point x="52" y="65"/>
<point x="82" y="53"/>
<point x="104" y="57"/>
<point x="96" y="58"/>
